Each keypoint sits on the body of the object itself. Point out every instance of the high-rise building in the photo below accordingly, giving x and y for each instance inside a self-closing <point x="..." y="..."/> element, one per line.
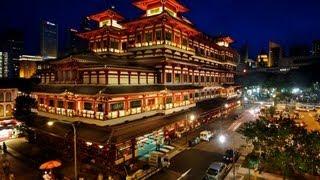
<point x="3" y="64"/>
<point x="49" y="40"/>
<point x="75" y="44"/>
<point x="87" y="25"/>
<point x="11" y="47"/>
<point x="275" y="54"/>
<point x="316" y="48"/>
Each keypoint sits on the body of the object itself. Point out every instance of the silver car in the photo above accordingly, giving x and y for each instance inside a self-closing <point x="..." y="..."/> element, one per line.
<point x="216" y="170"/>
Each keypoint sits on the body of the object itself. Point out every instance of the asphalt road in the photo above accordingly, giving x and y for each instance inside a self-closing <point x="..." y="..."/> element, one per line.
<point x="194" y="161"/>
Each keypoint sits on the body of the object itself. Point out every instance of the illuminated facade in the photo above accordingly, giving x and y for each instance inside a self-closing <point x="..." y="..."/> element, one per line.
<point x="28" y="65"/>
<point x="263" y="60"/>
<point x="4" y="65"/>
<point x="7" y="98"/>
<point x="49" y="40"/>
<point x="147" y="68"/>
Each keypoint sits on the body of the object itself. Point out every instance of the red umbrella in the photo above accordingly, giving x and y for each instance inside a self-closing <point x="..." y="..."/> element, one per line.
<point x="50" y="165"/>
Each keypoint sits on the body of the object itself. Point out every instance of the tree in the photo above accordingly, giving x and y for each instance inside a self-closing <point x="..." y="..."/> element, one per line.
<point x="284" y="146"/>
<point x="23" y="111"/>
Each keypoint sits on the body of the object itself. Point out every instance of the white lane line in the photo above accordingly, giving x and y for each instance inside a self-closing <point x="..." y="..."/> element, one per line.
<point x="184" y="174"/>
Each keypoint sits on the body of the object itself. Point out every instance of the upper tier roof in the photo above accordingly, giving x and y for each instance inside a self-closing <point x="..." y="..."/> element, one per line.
<point x="147" y="4"/>
<point x="108" y="14"/>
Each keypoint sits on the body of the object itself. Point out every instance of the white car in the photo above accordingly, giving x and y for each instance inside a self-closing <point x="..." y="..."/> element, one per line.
<point x="216" y="170"/>
<point x="206" y="135"/>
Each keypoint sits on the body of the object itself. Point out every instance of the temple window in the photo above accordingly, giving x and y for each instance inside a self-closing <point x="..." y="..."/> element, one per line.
<point x="177" y="39"/>
<point x="60" y="108"/>
<point x="70" y="109"/>
<point x="94" y="78"/>
<point x="1" y="97"/>
<point x="208" y="79"/>
<point x="87" y="106"/>
<point x="148" y="36"/>
<point x="86" y="79"/>
<point x="1" y="111"/>
<point x="168" y="36"/>
<point x="143" y="78"/>
<point x="117" y="110"/>
<point x="150" y="78"/>
<point x="41" y="100"/>
<point x="138" y="38"/>
<point x="177" y="78"/>
<point x="184" y="42"/>
<point x="169" y="102"/>
<point x="134" y="78"/>
<point x="151" y="104"/>
<point x="102" y="77"/>
<point x="8" y="110"/>
<point x="113" y="77"/>
<point x="70" y="105"/>
<point x="190" y="78"/>
<point x="60" y="104"/>
<point x="158" y="35"/>
<point x="185" y="78"/>
<point x="135" y="106"/>
<point x="196" y="78"/>
<point x="88" y="110"/>
<point x="124" y="78"/>
<point x="8" y="97"/>
<point x="124" y="46"/>
<point x="100" y="108"/>
<point x="169" y="77"/>
<point x="154" y="11"/>
<point x="51" y="103"/>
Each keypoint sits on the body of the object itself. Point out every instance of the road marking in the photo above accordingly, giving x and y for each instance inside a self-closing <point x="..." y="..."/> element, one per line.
<point x="184" y="174"/>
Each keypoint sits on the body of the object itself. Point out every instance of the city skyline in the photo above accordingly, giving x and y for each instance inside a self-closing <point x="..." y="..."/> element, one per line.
<point x="284" y="27"/>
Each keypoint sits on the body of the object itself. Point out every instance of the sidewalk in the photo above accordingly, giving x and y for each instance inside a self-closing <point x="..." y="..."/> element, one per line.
<point x="29" y="157"/>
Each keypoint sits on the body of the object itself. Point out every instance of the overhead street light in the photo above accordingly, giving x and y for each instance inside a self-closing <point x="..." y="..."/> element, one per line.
<point x="73" y="124"/>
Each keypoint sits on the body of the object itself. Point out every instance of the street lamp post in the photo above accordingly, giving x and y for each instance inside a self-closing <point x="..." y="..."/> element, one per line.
<point x="190" y="119"/>
<point x="222" y="139"/>
<point x="51" y="123"/>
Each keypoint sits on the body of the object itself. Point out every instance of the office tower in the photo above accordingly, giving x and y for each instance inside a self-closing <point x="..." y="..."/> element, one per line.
<point x="49" y="40"/>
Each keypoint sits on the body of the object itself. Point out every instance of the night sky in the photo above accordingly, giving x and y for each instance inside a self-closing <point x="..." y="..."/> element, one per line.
<point x="288" y="22"/>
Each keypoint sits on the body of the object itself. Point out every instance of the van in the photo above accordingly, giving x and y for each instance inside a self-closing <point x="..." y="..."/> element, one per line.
<point x="206" y="135"/>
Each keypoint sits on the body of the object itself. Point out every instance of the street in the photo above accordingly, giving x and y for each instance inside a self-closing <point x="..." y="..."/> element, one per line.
<point x="198" y="158"/>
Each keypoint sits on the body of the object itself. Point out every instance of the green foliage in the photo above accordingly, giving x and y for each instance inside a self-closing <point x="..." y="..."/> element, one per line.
<point x="284" y="146"/>
<point x="23" y="112"/>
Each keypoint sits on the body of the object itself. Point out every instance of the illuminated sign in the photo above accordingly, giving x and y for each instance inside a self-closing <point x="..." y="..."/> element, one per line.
<point x="50" y="23"/>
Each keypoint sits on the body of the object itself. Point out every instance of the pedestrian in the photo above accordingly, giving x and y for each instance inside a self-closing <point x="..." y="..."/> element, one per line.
<point x="4" y="147"/>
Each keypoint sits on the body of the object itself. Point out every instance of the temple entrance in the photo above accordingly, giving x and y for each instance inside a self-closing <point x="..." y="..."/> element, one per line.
<point x="150" y="142"/>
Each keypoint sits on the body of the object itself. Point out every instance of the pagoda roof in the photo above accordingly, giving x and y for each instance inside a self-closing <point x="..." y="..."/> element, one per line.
<point x="101" y="31"/>
<point x="164" y="16"/>
<point x="93" y="60"/>
<point x="107" y="14"/>
<point x="109" y="90"/>
<point x="227" y="39"/>
<point x="147" y="4"/>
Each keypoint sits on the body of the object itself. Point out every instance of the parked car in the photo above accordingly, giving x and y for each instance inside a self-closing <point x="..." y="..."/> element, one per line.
<point x="194" y="141"/>
<point x="228" y="156"/>
<point x="216" y="170"/>
<point x="206" y="135"/>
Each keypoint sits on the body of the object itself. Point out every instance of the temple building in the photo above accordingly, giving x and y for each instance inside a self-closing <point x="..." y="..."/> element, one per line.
<point x="147" y="70"/>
